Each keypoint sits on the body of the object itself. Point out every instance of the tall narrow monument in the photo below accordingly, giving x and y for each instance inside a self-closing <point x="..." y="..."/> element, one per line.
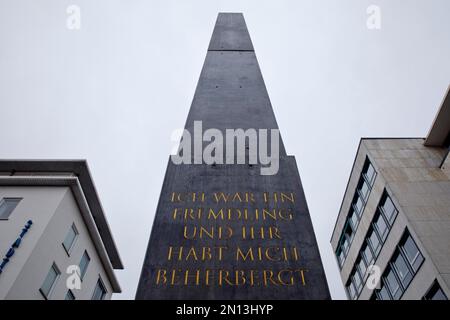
<point x="225" y="230"/>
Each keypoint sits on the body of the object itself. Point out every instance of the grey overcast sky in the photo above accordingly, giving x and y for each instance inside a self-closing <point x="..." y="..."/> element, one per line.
<point x="113" y="91"/>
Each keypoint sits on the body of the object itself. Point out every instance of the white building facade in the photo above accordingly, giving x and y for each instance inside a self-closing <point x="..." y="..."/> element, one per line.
<point x="55" y="242"/>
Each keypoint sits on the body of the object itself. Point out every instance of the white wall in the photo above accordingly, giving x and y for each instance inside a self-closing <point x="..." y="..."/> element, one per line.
<point x="53" y="210"/>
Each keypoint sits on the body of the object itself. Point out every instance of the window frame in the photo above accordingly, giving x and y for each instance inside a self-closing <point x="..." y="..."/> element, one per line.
<point x="100" y="284"/>
<point x="384" y="198"/>
<point x="435" y="286"/>
<point x="72" y="245"/>
<point x="401" y="245"/>
<point x="69" y="293"/>
<point x="353" y="210"/>
<point x="394" y="258"/>
<point x="3" y="201"/>
<point x="376" y="217"/>
<point x="383" y="287"/>
<point x="400" y="290"/>
<point x="366" y="166"/>
<point x="391" y="267"/>
<point x="84" y="271"/>
<point x="47" y="295"/>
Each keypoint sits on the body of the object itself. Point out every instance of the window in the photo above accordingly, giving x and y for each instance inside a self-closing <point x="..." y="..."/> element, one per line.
<point x="99" y="291"/>
<point x="358" y="204"/>
<point x="412" y="253"/>
<point x="357" y="281"/>
<point x="381" y="226"/>
<point x="69" y="295"/>
<point x="383" y="293"/>
<point x="348" y="233"/>
<point x="353" y="218"/>
<point x="50" y="281"/>
<point x="362" y="268"/>
<point x="7" y="205"/>
<point x="364" y="189"/>
<point x="351" y="290"/>
<point x="369" y="172"/>
<point x="374" y="242"/>
<point x="367" y="254"/>
<point x="393" y="284"/>
<point x="340" y="255"/>
<point x="359" y="200"/>
<point x="435" y="293"/>
<point x="70" y="238"/>
<point x="388" y="208"/>
<point x="402" y="269"/>
<point x="84" y="264"/>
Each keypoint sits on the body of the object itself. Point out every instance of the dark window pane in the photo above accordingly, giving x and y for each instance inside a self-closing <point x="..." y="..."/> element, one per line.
<point x="353" y="218"/>
<point x="69" y="295"/>
<point x="50" y="281"/>
<point x="340" y="256"/>
<point x="7" y="205"/>
<point x="70" y="238"/>
<point x="381" y="226"/>
<point x="361" y="267"/>
<point x="99" y="291"/>
<point x="364" y="190"/>
<point x="369" y="173"/>
<point x="84" y="264"/>
<point x="389" y="210"/>
<point x="412" y="253"/>
<point x="367" y="254"/>
<point x="402" y="269"/>
<point x="374" y="242"/>
<point x="383" y="294"/>
<point x="435" y="293"/>
<point x="345" y="245"/>
<point x="351" y="291"/>
<point x="439" y="295"/>
<point x="358" y="205"/>
<point x="393" y="285"/>
<point x="348" y="233"/>
<point x="357" y="281"/>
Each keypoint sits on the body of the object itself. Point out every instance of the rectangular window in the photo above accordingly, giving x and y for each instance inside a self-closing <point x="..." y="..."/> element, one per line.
<point x="393" y="285"/>
<point x="70" y="238"/>
<point x="362" y="267"/>
<point x="340" y="256"/>
<point x="369" y="172"/>
<point x="363" y="189"/>
<point x="389" y="210"/>
<point x="374" y="242"/>
<point x="84" y="264"/>
<point x="367" y="254"/>
<point x="99" y="291"/>
<point x="357" y="281"/>
<point x="412" y="253"/>
<point x="402" y="269"/>
<point x="7" y="205"/>
<point x="359" y="200"/>
<point x="353" y="218"/>
<point x="351" y="290"/>
<point x="50" y="281"/>
<point x="383" y="293"/>
<point x="69" y="295"/>
<point x="358" y="205"/>
<point x="381" y="226"/>
<point x="435" y="293"/>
